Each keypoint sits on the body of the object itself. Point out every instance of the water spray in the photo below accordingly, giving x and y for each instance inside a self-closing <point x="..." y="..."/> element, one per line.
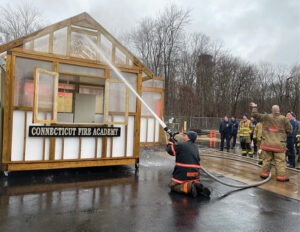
<point x="166" y="128"/>
<point x="98" y="50"/>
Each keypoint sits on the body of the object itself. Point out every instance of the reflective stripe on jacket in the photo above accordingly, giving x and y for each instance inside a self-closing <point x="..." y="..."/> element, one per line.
<point x="187" y="161"/>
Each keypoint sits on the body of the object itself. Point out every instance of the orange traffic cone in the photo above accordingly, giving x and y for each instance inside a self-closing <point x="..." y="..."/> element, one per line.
<point x="210" y="134"/>
<point x="215" y="135"/>
<point x="182" y="130"/>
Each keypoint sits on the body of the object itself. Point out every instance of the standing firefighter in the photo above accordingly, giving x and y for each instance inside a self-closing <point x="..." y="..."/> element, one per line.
<point x="235" y="127"/>
<point x="273" y="144"/>
<point x="186" y="172"/>
<point x="225" y="130"/>
<point x="257" y="136"/>
<point x="244" y="131"/>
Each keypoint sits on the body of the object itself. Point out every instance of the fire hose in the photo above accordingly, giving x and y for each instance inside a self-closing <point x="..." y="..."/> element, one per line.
<point x="233" y="185"/>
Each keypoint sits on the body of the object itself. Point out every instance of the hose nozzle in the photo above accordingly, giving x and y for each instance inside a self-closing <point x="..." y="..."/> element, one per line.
<point x="169" y="131"/>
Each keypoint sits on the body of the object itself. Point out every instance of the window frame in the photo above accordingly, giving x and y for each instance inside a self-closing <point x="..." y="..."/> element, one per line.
<point x="55" y="75"/>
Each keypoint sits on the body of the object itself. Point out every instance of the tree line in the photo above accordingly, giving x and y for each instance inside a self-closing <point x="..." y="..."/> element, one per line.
<point x="204" y="79"/>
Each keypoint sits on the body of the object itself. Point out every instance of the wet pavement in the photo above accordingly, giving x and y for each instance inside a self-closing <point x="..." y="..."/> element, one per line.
<point x="121" y="199"/>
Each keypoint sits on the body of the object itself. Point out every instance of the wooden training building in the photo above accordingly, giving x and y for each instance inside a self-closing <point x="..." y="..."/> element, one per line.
<point x="62" y="106"/>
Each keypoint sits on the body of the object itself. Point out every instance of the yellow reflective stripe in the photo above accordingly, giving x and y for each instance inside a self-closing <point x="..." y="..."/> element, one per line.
<point x="297" y="136"/>
<point x="243" y="135"/>
<point x="245" y="128"/>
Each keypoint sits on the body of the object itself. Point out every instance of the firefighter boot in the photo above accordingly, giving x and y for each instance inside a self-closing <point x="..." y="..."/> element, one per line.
<point x="194" y="191"/>
<point x="202" y="190"/>
<point x="282" y="178"/>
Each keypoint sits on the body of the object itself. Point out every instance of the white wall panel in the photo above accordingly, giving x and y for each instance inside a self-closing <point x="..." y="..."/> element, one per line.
<point x="58" y="148"/>
<point x="88" y="148"/>
<point x="119" y="142"/>
<point x="143" y="130"/>
<point x="130" y="136"/>
<point x="71" y="148"/>
<point x="157" y="128"/>
<point x="99" y="147"/>
<point x="17" y="135"/>
<point x="150" y="135"/>
<point x="34" y="145"/>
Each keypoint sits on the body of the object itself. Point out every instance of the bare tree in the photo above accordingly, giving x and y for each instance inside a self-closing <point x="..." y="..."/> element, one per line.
<point x="158" y="43"/>
<point x="18" y="21"/>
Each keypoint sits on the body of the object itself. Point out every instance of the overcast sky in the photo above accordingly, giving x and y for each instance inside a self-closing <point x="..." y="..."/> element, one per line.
<point x="256" y="30"/>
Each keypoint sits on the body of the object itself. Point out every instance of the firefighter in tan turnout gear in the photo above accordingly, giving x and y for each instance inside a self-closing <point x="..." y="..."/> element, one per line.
<point x="244" y="131"/>
<point x="257" y="135"/>
<point x="273" y="144"/>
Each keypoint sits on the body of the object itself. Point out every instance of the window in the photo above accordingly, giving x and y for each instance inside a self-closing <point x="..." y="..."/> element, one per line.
<point x="153" y="99"/>
<point x="80" y="99"/>
<point x="24" y="76"/>
<point x="45" y="95"/>
<point x="117" y="98"/>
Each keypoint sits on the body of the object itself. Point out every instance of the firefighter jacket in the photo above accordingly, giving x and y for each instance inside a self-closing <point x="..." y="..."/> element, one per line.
<point x="225" y="128"/>
<point x="235" y="126"/>
<point x="258" y="131"/>
<point x="187" y="161"/>
<point x="245" y="128"/>
<point x="274" y="130"/>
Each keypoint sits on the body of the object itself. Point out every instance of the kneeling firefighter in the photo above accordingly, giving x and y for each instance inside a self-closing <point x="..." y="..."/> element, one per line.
<point x="186" y="172"/>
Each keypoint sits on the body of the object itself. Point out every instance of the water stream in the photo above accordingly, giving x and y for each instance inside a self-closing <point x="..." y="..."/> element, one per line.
<point x="114" y="68"/>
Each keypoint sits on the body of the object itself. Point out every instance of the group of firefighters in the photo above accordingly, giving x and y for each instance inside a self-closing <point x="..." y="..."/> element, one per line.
<point x="252" y="131"/>
<point x="273" y="136"/>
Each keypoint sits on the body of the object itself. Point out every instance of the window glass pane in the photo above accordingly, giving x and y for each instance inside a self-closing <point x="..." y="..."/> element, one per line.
<point x="158" y="84"/>
<point x="45" y="94"/>
<point x="106" y="48"/>
<point x="24" y="78"/>
<point x="41" y="44"/>
<point x="120" y="57"/>
<point x="117" y="97"/>
<point x="60" y="41"/>
<point x="27" y="45"/>
<point x="147" y="83"/>
<point x="80" y="47"/>
<point x="132" y="79"/>
<point x="68" y="68"/>
<point x="153" y="99"/>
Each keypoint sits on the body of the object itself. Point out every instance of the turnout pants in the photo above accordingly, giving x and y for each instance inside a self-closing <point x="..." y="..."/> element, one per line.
<point x="246" y="146"/>
<point x="280" y="163"/>
<point x="181" y="188"/>
<point x="259" y="152"/>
